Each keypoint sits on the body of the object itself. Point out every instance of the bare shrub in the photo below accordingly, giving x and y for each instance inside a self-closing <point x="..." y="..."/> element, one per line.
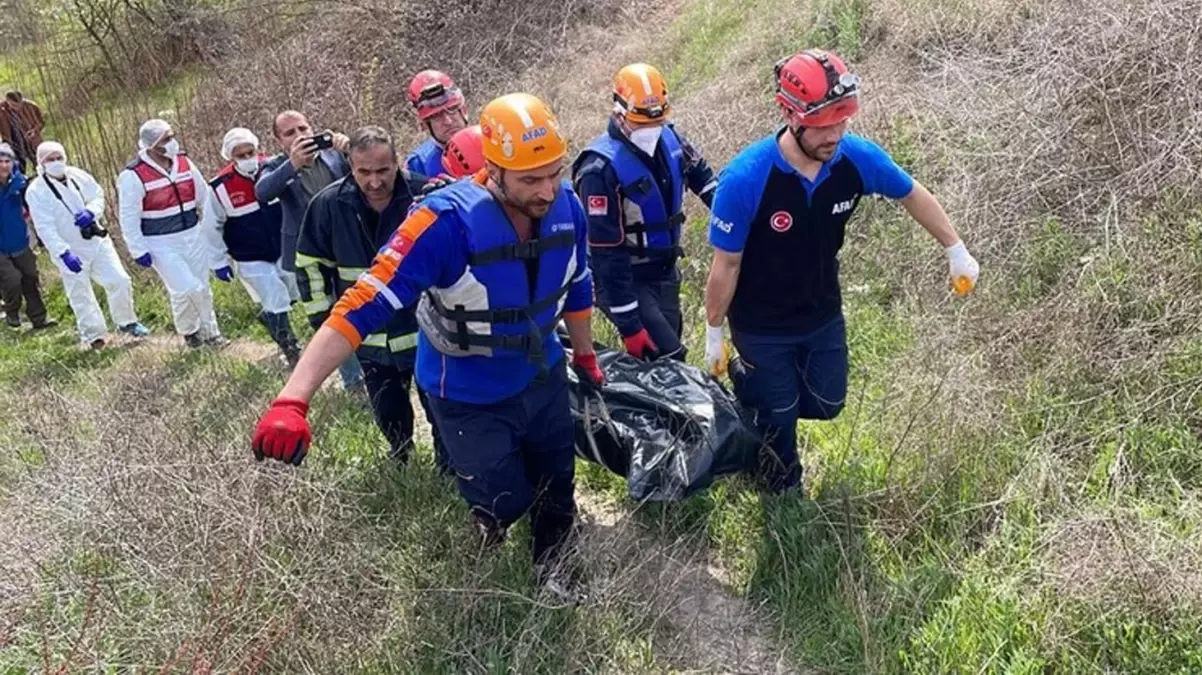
<point x="356" y="68"/>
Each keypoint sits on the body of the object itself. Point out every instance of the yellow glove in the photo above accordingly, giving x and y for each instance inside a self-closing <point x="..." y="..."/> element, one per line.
<point x="963" y="267"/>
<point x="717" y="354"/>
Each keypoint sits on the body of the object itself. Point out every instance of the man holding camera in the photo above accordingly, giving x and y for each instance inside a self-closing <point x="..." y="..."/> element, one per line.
<point x="67" y="206"/>
<point x="309" y="162"/>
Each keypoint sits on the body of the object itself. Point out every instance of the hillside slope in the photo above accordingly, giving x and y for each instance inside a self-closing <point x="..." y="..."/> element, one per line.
<point x="1013" y="487"/>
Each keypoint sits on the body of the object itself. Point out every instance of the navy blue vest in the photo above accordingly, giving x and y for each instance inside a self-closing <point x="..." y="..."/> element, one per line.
<point x="426" y="159"/>
<point x="659" y="227"/>
<point x="252" y="228"/>
<point x="490" y="310"/>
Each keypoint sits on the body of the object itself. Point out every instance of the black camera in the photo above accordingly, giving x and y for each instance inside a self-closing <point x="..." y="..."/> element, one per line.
<point x="323" y="141"/>
<point x="93" y="230"/>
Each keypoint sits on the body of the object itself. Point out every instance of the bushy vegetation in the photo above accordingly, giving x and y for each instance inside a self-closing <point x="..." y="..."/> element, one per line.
<point x="1013" y="487"/>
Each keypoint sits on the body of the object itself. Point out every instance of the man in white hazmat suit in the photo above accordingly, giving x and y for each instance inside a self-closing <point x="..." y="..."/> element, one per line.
<point x="67" y="207"/>
<point x="160" y="195"/>
<point x="250" y="235"/>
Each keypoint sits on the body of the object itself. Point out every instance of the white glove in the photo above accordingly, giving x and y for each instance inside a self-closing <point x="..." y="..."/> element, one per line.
<point x="716" y="352"/>
<point x="964" y="268"/>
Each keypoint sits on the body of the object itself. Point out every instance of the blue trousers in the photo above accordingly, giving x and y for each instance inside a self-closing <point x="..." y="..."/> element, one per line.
<point x="787" y="378"/>
<point x="351" y="373"/>
<point x="659" y="309"/>
<point x="516" y="456"/>
<point x="659" y="312"/>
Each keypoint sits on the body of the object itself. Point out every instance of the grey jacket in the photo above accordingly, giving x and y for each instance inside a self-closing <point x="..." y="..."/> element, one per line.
<point x="278" y="180"/>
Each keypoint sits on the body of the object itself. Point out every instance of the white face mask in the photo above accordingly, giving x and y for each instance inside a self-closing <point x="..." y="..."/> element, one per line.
<point x="171" y="148"/>
<point x="646" y="138"/>
<point x="58" y="169"/>
<point x="247" y="167"/>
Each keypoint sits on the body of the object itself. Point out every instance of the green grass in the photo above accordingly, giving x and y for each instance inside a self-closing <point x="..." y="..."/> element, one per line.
<point x="980" y="437"/>
<point x="918" y="552"/>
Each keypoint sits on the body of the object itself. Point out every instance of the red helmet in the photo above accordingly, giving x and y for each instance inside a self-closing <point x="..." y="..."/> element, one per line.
<point x="431" y="92"/>
<point x="817" y="86"/>
<point x="464" y="154"/>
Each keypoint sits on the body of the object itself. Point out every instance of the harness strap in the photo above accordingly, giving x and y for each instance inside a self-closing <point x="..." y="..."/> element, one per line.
<point x="524" y="250"/>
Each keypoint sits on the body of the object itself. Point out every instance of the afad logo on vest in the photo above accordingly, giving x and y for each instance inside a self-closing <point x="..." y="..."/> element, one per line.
<point x="781" y="221"/>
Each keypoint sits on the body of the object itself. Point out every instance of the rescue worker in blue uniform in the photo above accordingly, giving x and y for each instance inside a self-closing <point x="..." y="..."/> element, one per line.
<point x="492" y="264"/>
<point x="632" y="180"/>
<point x="442" y="109"/>
<point x="777" y="225"/>
<point x="346" y="223"/>
<point x="250" y="235"/>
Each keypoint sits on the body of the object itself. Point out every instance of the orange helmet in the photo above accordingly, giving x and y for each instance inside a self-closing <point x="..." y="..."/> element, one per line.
<point x="464" y="154"/>
<point x="431" y="92"/>
<point x="520" y="133"/>
<point x="817" y="86"/>
<point x="641" y="94"/>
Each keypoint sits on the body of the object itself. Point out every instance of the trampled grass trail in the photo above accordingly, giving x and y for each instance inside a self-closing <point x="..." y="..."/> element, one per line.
<point x="1013" y="487"/>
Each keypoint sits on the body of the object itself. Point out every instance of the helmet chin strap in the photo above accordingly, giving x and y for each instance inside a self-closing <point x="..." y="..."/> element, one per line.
<point x="796" y="133"/>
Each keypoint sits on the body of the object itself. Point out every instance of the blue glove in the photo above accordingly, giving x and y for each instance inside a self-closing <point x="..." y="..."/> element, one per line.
<point x="84" y="218"/>
<point x="143" y="260"/>
<point x="72" y="262"/>
<point x="224" y="273"/>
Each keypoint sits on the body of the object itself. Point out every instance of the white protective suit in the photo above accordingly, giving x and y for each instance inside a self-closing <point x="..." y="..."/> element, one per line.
<point x="183" y="260"/>
<point x="265" y="282"/>
<point x="54" y="220"/>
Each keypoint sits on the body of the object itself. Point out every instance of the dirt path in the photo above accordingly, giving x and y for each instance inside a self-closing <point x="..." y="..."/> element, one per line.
<point x="711" y="629"/>
<point x="715" y="630"/>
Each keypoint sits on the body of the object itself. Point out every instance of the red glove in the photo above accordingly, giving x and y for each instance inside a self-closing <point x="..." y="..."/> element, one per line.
<point x="283" y="432"/>
<point x="641" y="346"/>
<point x="587" y="369"/>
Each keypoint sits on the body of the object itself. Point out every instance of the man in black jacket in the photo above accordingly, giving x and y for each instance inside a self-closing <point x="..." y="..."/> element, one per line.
<point x="344" y="227"/>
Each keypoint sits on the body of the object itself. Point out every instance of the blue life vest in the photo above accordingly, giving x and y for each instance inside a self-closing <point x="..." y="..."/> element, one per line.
<point x="658" y="228"/>
<point x="489" y="312"/>
<point x="426" y="159"/>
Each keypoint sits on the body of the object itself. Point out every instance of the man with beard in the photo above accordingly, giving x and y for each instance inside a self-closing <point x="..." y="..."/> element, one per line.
<point x="496" y="262"/>
<point x="777" y="226"/>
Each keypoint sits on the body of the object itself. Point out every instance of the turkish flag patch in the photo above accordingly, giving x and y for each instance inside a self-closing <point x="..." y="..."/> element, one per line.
<point x="400" y="244"/>
<point x="598" y="205"/>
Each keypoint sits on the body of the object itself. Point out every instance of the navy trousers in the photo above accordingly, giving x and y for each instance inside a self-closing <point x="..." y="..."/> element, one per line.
<point x="787" y="378"/>
<point x="515" y="456"/>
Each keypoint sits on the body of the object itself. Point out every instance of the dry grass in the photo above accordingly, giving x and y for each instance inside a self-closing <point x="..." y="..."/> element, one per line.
<point x="152" y="539"/>
<point x="948" y="534"/>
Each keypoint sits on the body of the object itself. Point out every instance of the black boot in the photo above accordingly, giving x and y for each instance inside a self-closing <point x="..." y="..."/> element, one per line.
<point x="281" y="333"/>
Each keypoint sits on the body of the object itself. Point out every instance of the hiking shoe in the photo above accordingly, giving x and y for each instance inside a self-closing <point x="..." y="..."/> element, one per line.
<point x="136" y="329"/>
<point x="489" y="535"/>
<point x="97" y="344"/>
<point x="44" y="324"/>
<point x="12" y="320"/>
<point x="292" y="357"/>
<point x="560" y="582"/>
<point x="193" y="340"/>
<point x="217" y="341"/>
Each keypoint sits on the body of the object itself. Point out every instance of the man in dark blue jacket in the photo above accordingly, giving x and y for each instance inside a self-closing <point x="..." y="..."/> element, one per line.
<point x="346" y="224"/>
<point x="632" y="181"/>
<point x="294" y="177"/>
<point x="18" y="265"/>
